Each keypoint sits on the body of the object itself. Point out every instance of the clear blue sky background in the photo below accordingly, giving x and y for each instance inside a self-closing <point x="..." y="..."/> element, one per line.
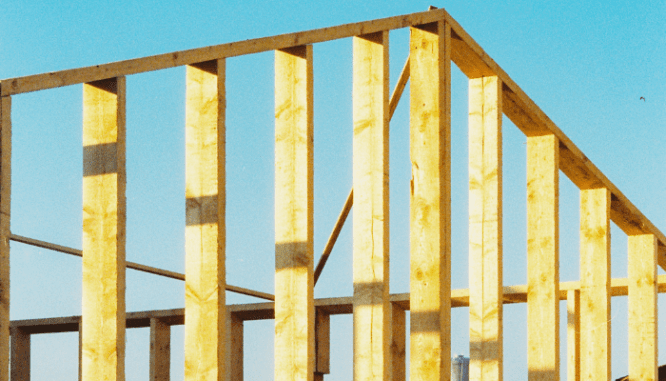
<point x="586" y="65"/>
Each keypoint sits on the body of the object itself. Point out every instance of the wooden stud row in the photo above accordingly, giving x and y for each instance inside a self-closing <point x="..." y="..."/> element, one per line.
<point x="465" y="52"/>
<point x="400" y="303"/>
<point x="160" y="346"/>
<point x="378" y="325"/>
<point x="19" y="85"/>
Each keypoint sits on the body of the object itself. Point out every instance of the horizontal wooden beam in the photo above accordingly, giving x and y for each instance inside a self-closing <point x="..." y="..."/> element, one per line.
<point x="135" y="266"/>
<point x="465" y="53"/>
<point x="192" y="56"/>
<point x="331" y="306"/>
<point x="472" y="60"/>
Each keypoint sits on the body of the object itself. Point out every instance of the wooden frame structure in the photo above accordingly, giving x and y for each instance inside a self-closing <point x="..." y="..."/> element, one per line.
<point x="214" y="330"/>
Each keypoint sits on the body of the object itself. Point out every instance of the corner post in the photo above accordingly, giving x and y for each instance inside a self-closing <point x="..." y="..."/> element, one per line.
<point x="430" y="201"/>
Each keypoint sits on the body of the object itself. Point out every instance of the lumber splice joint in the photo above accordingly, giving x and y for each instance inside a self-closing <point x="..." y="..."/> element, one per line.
<point x="294" y="215"/>
<point x="104" y="181"/>
<point x="430" y="201"/>
<point x="205" y="278"/>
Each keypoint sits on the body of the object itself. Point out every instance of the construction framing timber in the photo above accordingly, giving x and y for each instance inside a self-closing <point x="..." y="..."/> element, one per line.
<point x="214" y="330"/>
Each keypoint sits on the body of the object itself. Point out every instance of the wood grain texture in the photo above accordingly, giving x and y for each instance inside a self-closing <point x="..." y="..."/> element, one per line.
<point x="20" y="368"/>
<point x="371" y="215"/>
<point x="642" y="306"/>
<point x="485" y="229"/>
<point x="595" y="317"/>
<point x="80" y="331"/>
<point x="543" y="280"/>
<point x="235" y="353"/>
<point x="104" y="181"/>
<point x="105" y="159"/>
<point x="193" y="56"/>
<point x="393" y="104"/>
<point x="205" y="278"/>
<point x="323" y="342"/>
<point x="160" y="350"/>
<point x="5" y="232"/>
<point x="294" y="226"/>
<point x="398" y="342"/>
<point x="430" y="202"/>
<point x="573" y="335"/>
<point x="468" y="55"/>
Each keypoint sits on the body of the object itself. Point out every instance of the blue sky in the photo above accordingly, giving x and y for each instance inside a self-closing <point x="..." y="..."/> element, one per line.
<point x="585" y="64"/>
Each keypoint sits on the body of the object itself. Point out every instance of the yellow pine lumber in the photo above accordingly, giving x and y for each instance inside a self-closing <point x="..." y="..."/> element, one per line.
<point x="372" y="312"/>
<point x="642" y="306"/>
<point x="595" y="317"/>
<point x="103" y="264"/>
<point x="485" y="229"/>
<point x="5" y="232"/>
<point x="294" y="228"/>
<point x="205" y="279"/>
<point x="430" y="201"/>
<point x="543" y="294"/>
<point x="573" y="335"/>
<point x="160" y="350"/>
